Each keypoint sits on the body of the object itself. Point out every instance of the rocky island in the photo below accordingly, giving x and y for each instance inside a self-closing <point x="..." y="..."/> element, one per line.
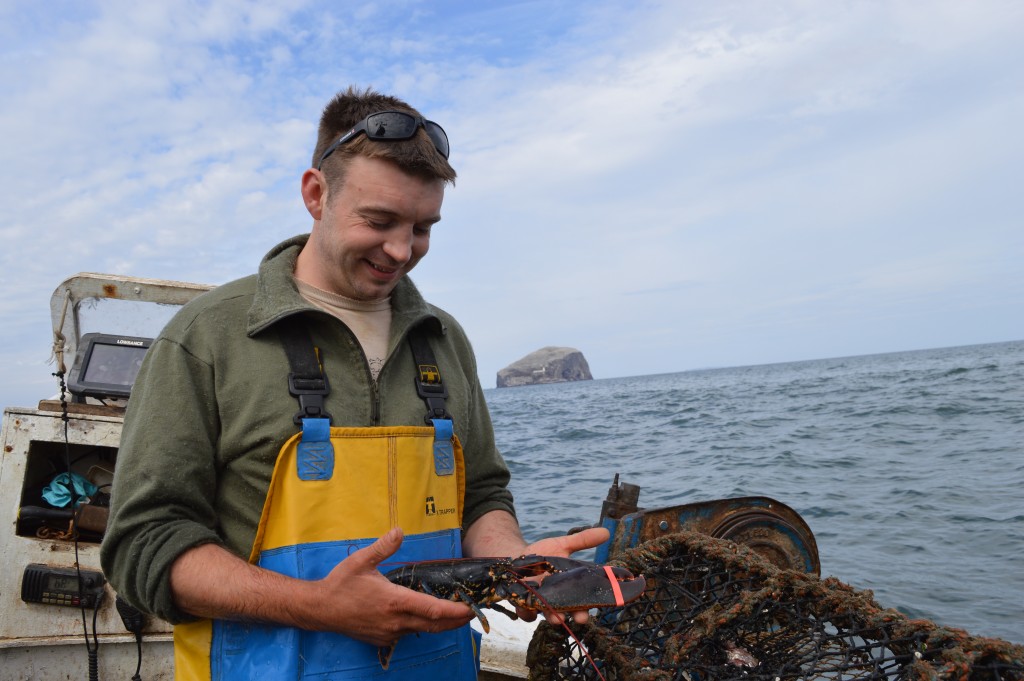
<point x="547" y="365"/>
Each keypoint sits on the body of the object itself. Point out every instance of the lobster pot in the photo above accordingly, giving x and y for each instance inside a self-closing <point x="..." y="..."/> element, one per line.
<point x="715" y="610"/>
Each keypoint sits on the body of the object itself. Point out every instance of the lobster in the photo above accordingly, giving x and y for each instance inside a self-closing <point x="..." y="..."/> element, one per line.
<point x="569" y="585"/>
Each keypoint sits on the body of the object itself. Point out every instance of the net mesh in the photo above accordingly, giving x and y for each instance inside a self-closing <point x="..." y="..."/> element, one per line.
<point x="716" y="610"/>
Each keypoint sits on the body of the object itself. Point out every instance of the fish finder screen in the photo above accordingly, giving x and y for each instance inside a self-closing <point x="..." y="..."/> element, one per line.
<point x="114" y="364"/>
<point x="106" y="366"/>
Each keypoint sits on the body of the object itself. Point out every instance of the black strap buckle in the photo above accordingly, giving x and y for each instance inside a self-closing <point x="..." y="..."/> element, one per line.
<point x="311" y="391"/>
<point x="433" y="391"/>
<point x="306" y="380"/>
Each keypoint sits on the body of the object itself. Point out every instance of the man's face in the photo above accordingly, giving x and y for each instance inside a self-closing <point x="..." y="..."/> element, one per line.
<point x="372" y="231"/>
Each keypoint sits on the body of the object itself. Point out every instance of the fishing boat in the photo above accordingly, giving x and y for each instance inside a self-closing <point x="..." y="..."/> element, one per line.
<point x="60" y="618"/>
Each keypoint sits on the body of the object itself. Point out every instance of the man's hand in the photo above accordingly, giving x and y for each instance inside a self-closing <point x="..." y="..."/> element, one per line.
<point x="497" y="534"/>
<point x="358" y="601"/>
<point x="564" y="546"/>
<point x="353" y="599"/>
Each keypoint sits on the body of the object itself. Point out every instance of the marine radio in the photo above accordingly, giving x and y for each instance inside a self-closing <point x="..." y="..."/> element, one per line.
<point x="60" y="586"/>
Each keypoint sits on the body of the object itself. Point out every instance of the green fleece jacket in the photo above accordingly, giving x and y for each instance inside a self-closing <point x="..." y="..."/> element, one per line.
<point x="210" y="410"/>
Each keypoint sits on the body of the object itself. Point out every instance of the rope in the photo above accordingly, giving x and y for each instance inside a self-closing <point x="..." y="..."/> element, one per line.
<point x="59" y="340"/>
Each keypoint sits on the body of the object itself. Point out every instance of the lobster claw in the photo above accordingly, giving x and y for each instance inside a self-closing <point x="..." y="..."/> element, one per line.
<point x="534" y="565"/>
<point x="591" y="586"/>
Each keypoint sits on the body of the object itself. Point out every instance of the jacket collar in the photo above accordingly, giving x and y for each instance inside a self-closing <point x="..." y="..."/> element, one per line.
<point x="277" y="298"/>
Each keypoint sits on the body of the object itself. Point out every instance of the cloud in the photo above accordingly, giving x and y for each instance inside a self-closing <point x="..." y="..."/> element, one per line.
<point x="656" y="179"/>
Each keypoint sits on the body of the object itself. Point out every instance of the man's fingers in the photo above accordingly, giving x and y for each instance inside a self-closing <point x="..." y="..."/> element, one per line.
<point x="587" y="539"/>
<point x="570" y="543"/>
<point x="385" y="547"/>
<point x="431" y="608"/>
<point x="422" y="612"/>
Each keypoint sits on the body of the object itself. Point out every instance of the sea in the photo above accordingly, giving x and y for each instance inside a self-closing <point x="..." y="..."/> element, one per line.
<point x="908" y="467"/>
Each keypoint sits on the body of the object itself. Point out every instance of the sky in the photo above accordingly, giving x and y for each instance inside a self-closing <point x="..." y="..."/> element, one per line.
<point x="663" y="185"/>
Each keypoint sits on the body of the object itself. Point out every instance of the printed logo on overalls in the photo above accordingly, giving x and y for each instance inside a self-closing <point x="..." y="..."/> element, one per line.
<point x="431" y="508"/>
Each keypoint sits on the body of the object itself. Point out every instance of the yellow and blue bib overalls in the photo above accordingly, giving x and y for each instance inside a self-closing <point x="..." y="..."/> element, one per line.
<point x="334" y="491"/>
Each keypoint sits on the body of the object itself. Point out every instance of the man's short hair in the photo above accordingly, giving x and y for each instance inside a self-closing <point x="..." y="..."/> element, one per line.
<point x="416" y="156"/>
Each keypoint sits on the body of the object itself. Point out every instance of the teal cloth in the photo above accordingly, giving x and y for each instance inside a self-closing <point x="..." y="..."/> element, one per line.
<point x="58" y="492"/>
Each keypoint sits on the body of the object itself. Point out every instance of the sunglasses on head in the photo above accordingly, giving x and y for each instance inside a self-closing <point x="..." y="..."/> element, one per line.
<point x="392" y="125"/>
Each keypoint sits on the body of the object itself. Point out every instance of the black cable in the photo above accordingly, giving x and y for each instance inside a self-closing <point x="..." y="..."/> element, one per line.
<point x="91" y="650"/>
<point x="138" y="665"/>
<point x="134" y="621"/>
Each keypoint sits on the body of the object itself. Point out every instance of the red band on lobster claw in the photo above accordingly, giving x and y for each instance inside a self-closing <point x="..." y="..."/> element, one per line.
<point x="615" y="586"/>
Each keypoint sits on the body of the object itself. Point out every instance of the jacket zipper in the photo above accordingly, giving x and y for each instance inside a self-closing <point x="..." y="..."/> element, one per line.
<point x="375" y="408"/>
<point x="402" y="340"/>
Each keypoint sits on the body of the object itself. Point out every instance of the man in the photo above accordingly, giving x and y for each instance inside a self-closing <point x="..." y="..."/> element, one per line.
<point x="286" y="428"/>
